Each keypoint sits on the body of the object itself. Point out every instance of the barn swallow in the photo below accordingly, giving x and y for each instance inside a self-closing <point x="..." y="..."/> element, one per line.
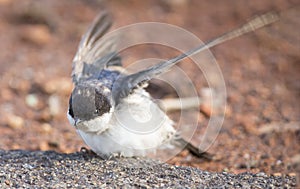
<point x="107" y="100"/>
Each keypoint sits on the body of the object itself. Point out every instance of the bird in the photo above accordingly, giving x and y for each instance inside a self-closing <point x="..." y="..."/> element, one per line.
<point x="110" y="108"/>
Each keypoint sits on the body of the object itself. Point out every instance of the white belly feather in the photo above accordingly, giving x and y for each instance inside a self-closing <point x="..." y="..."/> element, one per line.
<point x="137" y="126"/>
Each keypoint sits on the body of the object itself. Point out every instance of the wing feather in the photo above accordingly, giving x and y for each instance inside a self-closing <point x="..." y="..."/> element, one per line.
<point x="94" y="51"/>
<point x="126" y="84"/>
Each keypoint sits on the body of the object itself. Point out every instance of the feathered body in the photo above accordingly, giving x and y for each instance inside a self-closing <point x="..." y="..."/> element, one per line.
<point x="110" y="108"/>
<point x="134" y="127"/>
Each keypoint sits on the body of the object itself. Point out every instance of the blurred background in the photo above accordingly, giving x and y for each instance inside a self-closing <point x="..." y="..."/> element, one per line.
<point x="261" y="131"/>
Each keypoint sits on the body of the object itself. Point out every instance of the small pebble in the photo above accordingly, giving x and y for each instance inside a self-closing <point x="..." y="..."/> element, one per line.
<point x="44" y="146"/>
<point x="206" y="109"/>
<point x="292" y="174"/>
<point x="278" y="162"/>
<point x="15" y="146"/>
<point x="46" y="128"/>
<point x="7" y="182"/>
<point x="62" y="86"/>
<point x="15" y="122"/>
<point x="247" y="156"/>
<point x="19" y="85"/>
<point x="32" y="100"/>
<point x="277" y="174"/>
<point x="261" y="174"/>
<point x="37" y="34"/>
<point x="54" y="105"/>
<point x="45" y="115"/>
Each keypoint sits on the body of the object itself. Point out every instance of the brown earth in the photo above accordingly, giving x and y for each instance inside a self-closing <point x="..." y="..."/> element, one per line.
<point x="261" y="131"/>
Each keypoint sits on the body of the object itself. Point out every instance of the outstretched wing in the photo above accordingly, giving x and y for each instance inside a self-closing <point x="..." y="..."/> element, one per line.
<point x="125" y="84"/>
<point x="94" y="52"/>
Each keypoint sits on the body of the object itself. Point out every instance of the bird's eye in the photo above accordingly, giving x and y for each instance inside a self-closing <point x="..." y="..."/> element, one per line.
<point x="96" y="111"/>
<point x="70" y="107"/>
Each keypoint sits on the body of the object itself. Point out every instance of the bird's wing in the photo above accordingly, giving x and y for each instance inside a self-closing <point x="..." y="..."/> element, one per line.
<point x="94" y="52"/>
<point x="126" y="84"/>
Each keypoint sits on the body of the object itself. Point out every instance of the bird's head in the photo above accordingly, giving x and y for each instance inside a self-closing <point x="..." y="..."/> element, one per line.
<point x="88" y="102"/>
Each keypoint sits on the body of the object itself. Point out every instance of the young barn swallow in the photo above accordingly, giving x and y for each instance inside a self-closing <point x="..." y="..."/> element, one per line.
<point x="107" y="101"/>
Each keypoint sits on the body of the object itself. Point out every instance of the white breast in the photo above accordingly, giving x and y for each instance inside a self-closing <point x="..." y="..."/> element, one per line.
<point x="137" y="126"/>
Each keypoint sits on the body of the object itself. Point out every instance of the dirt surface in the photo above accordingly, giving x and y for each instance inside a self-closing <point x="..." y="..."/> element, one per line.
<point x="261" y="131"/>
<point x="41" y="169"/>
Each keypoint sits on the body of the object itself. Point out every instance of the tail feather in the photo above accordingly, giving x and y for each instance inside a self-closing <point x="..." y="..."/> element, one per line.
<point x="193" y="149"/>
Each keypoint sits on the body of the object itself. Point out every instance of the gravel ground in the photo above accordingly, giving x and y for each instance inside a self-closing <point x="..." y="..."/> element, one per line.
<point x="49" y="169"/>
<point x="261" y="130"/>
